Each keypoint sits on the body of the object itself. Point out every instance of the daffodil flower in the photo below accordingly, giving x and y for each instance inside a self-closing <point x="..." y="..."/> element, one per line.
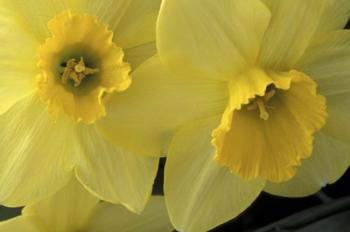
<point x="65" y="76"/>
<point x="266" y="85"/>
<point x="73" y="209"/>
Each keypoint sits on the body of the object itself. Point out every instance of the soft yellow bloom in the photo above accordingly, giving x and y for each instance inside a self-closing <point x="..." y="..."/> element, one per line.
<point x="267" y="83"/>
<point x="74" y="209"/>
<point x="65" y="78"/>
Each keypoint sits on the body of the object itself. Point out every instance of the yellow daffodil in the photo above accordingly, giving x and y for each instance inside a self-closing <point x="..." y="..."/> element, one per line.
<point x="65" y="84"/>
<point x="74" y="209"/>
<point x="263" y="89"/>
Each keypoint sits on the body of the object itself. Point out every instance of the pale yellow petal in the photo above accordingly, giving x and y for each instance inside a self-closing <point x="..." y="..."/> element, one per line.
<point x="35" y="14"/>
<point x="327" y="62"/>
<point x="35" y="158"/>
<point x="133" y="21"/>
<point x="200" y="194"/>
<point x="334" y="17"/>
<point x="137" y="55"/>
<point x="329" y="161"/>
<point x="19" y="224"/>
<point x="337" y="124"/>
<point x="292" y="26"/>
<point x="107" y="11"/>
<point x="112" y="173"/>
<point x="138" y="24"/>
<point x="211" y="39"/>
<point x="143" y="117"/>
<point x="17" y="60"/>
<point x="108" y="217"/>
<point x="67" y="210"/>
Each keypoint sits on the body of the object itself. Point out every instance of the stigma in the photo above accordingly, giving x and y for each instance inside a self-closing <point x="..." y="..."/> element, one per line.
<point x="261" y="103"/>
<point x="76" y="71"/>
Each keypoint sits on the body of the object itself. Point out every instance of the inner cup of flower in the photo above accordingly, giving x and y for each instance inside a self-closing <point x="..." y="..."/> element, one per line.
<point x="78" y="68"/>
<point x="80" y="65"/>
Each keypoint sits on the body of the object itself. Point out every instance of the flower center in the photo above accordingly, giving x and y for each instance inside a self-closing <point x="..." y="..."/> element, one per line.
<point x="76" y="71"/>
<point x="262" y="103"/>
<point x="272" y="143"/>
<point x="80" y="65"/>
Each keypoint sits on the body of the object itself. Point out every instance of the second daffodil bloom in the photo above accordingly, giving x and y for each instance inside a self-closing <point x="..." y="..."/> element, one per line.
<point x="74" y="209"/>
<point x="65" y="76"/>
<point x="267" y="84"/>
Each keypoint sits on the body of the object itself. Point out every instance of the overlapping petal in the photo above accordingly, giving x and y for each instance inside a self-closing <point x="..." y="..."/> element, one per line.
<point x="327" y="62"/>
<point x="199" y="193"/>
<point x="139" y="54"/>
<point x="335" y="16"/>
<point x="329" y="161"/>
<point x="19" y="224"/>
<point x="112" y="173"/>
<point x="34" y="15"/>
<point x="293" y="25"/>
<point x="143" y="118"/>
<point x="67" y="210"/>
<point x="108" y="217"/>
<point x="36" y="153"/>
<point x="211" y="39"/>
<point x="138" y="25"/>
<point x="133" y="21"/>
<point x="17" y="66"/>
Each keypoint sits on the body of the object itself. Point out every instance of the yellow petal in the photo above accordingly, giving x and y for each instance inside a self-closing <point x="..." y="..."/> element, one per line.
<point x="339" y="112"/>
<point x="143" y="117"/>
<point x="113" y="173"/>
<point x="292" y="26"/>
<point x="19" y="224"/>
<point x="35" y="158"/>
<point x="334" y="17"/>
<point x="329" y="161"/>
<point x="200" y="194"/>
<point x="17" y="61"/>
<point x="271" y="147"/>
<point x="35" y="14"/>
<point x="137" y="55"/>
<point x="67" y="210"/>
<point x="138" y="24"/>
<point x="327" y="62"/>
<point x="108" y="217"/>
<point x="109" y="12"/>
<point x="210" y="39"/>
<point x="132" y="21"/>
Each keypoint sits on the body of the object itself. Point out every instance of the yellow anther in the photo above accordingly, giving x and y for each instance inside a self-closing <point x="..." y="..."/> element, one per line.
<point x="76" y="71"/>
<point x="262" y="109"/>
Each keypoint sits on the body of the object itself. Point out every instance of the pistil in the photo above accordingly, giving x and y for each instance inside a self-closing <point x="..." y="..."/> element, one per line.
<point x="261" y="103"/>
<point x="77" y="71"/>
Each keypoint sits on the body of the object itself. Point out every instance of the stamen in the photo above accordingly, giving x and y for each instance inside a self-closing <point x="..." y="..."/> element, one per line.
<point x="269" y="95"/>
<point x="76" y="71"/>
<point x="261" y="103"/>
<point x="262" y="108"/>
